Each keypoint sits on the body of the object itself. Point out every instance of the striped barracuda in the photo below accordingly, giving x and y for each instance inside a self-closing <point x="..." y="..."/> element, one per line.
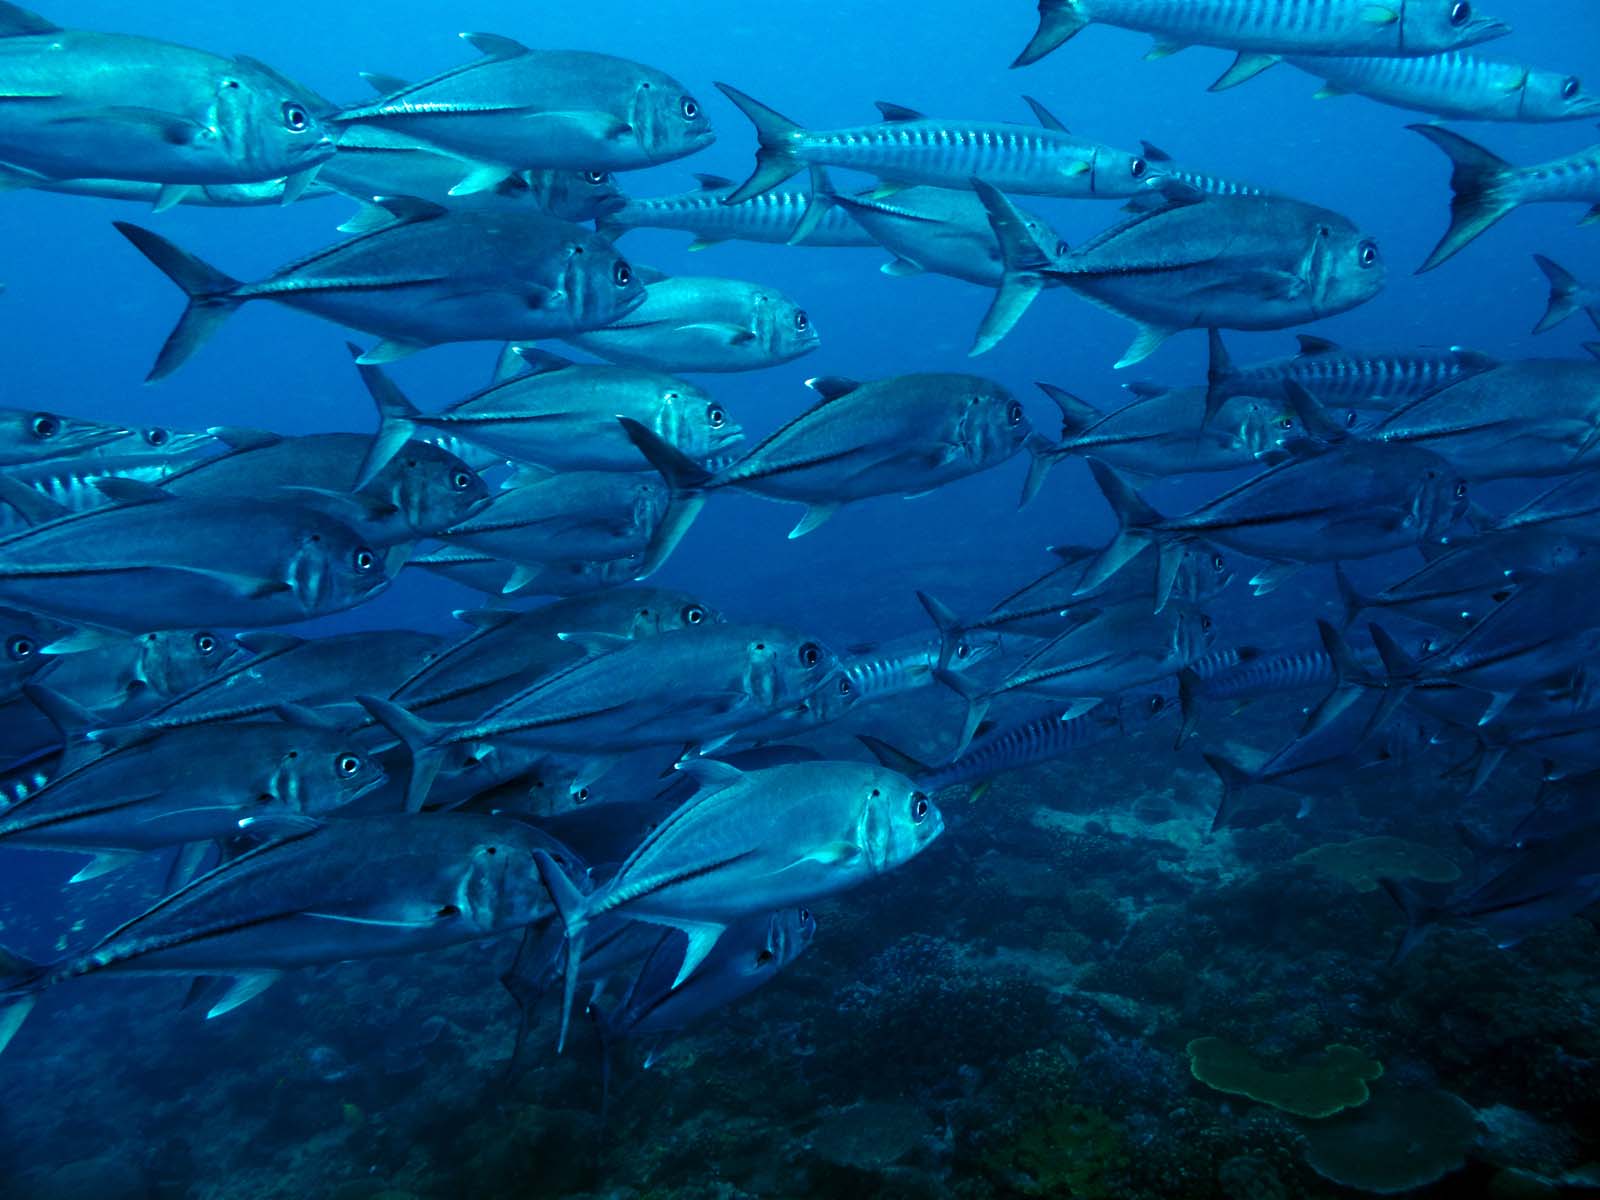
<point x="772" y="217"/>
<point x="1171" y="181"/>
<point x="907" y="147"/>
<point x="1486" y="187"/>
<point x="1456" y="85"/>
<point x="1265" y="31"/>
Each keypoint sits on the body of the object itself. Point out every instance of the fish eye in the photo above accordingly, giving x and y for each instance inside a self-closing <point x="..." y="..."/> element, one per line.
<point x="295" y="117"/>
<point x="20" y="648"/>
<point x="763" y="958"/>
<point x="805" y="916"/>
<point x="1351" y="418"/>
<point x="365" y="560"/>
<point x="1218" y="563"/>
<point x="810" y="655"/>
<point x="1285" y="422"/>
<point x="1155" y="704"/>
<point x="1014" y="413"/>
<point x="621" y="274"/>
<point x="206" y="643"/>
<point x="581" y="796"/>
<point x="1138" y="167"/>
<point x="157" y="436"/>
<point x="349" y="765"/>
<point x="45" y="426"/>
<point x="461" y="480"/>
<point x="1460" y="14"/>
<point x="801" y="321"/>
<point x="1461" y="490"/>
<point x="844" y="686"/>
<point x="689" y="107"/>
<point x="919" y="808"/>
<point x="1369" y="254"/>
<point x="596" y="177"/>
<point x="716" y="416"/>
<point x="693" y="615"/>
<point x="1205" y="623"/>
<point x="962" y="650"/>
<point x="1571" y="87"/>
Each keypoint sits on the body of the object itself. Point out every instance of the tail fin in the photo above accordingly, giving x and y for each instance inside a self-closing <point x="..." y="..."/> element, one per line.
<point x="687" y="482"/>
<point x="572" y="908"/>
<point x="424" y="740"/>
<point x="1222" y="377"/>
<point x="1480" y="196"/>
<point x="1235" y="779"/>
<point x="396" y="418"/>
<point x="894" y="759"/>
<point x="1348" y="681"/>
<point x="1042" y="456"/>
<point x="1076" y="415"/>
<point x="1058" y="22"/>
<point x="1025" y="261"/>
<point x="1419" y="917"/>
<point x="1190" y="688"/>
<point x="977" y="706"/>
<point x="949" y="625"/>
<point x="1353" y="601"/>
<point x="21" y="980"/>
<point x="823" y="198"/>
<point x="1564" y="290"/>
<point x="1137" y="524"/>
<point x="775" y="157"/>
<point x="213" y="297"/>
<point x="1401" y="670"/>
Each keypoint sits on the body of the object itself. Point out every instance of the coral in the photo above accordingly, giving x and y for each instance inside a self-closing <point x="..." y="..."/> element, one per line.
<point x="871" y="1136"/>
<point x="1248" y="1177"/>
<point x="1405" y="1138"/>
<point x="1336" y="1083"/>
<point x="1363" y="862"/>
<point x="1069" y="1151"/>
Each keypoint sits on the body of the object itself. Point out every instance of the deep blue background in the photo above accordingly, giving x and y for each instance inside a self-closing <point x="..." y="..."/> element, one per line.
<point x="84" y="314"/>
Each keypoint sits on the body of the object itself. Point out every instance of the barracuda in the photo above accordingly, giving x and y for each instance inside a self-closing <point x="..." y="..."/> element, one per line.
<point x="772" y="217"/>
<point x="1456" y="85"/>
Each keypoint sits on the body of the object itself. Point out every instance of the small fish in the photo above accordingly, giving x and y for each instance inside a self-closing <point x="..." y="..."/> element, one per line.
<point x="1485" y="188"/>
<point x="1456" y="86"/>
<point x="773" y="217"/>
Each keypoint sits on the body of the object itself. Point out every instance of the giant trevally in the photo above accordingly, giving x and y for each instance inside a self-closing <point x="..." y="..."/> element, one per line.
<point x="366" y="888"/>
<point x="749" y="843"/>
<point x="1567" y="295"/>
<point x="905" y="435"/>
<point x="1484" y="188"/>
<point x="1231" y="262"/>
<point x="157" y="561"/>
<point x="1532" y="417"/>
<point x="119" y="677"/>
<point x="773" y="217"/>
<point x="1356" y="500"/>
<point x="421" y="489"/>
<point x="23" y="638"/>
<point x="427" y="275"/>
<point x="1456" y="86"/>
<point x="1263" y="31"/>
<point x="77" y="104"/>
<point x="516" y="108"/>
<point x="907" y="147"/>
<point x="693" y="324"/>
<point x="561" y="415"/>
<point x="31" y="436"/>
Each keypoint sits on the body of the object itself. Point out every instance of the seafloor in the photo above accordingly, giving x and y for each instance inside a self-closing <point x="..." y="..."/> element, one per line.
<point x="1007" y="1017"/>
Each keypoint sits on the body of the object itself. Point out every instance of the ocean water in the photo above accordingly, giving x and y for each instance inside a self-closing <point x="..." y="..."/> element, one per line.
<point x="1009" y="1014"/>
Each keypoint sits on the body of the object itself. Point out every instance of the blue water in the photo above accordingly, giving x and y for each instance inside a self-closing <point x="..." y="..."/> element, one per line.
<point x="117" y="1074"/>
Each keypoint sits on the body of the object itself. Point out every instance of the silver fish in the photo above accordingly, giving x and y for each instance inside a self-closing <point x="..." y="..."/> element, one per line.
<point x="1456" y="86"/>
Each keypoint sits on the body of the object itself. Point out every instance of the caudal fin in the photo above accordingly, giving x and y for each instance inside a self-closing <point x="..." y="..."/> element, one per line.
<point x="1564" y="294"/>
<point x="687" y="482"/>
<point x="1481" y="196"/>
<point x="213" y="297"/>
<point x="951" y="631"/>
<point x="1025" y="260"/>
<point x="775" y="156"/>
<point x="572" y="908"/>
<point x="21" y="980"/>
<point x="1137" y="526"/>
<point x="1222" y="377"/>
<point x="823" y="198"/>
<point x="1419" y="917"/>
<point x="424" y="741"/>
<point x="1059" y="20"/>
<point x="894" y="758"/>
<point x="1235" y="779"/>
<point x="396" y="418"/>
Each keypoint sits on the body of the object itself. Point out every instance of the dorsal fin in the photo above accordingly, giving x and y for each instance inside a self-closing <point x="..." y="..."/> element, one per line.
<point x="831" y="387"/>
<point x="1155" y="154"/>
<point x="19" y="22"/>
<point x="899" y="112"/>
<point x="494" y="45"/>
<point x="410" y="208"/>
<point x="1046" y="118"/>
<point x="32" y="505"/>
<point x="1311" y="344"/>
<point x="131" y="491"/>
<point x="713" y="183"/>
<point x="540" y="362"/>
<point x="384" y="84"/>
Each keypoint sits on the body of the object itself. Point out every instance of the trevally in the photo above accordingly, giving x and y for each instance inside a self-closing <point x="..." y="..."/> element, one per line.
<point x="427" y="275"/>
<point x="76" y="104"/>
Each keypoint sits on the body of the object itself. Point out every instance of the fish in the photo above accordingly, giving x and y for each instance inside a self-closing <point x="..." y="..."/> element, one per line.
<point x="907" y="147"/>
<point x="424" y="276"/>
<point x="1234" y="262"/>
<point x="489" y="575"/>
<point x="517" y="108"/>
<point x="368" y="888"/>
<point x="1567" y="296"/>
<point x="264" y="194"/>
<point x="24" y="637"/>
<point x="561" y="415"/>
<point x="1456" y="86"/>
<point x="749" y="843"/>
<point x="689" y="324"/>
<point x="119" y="677"/>
<point x="905" y="665"/>
<point x="1485" y="188"/>
<point x="773" y="217"/>
<point x="905" y="435"/>
<point x="185" y="562"/>
<point x="1264" y="32"/>
<point x="1172" y="180"/>
<point x="80" y="104"/>
<point x="1530" y="418"/>
<point x="31" y="436"/>
<point x="1357" y="500"/>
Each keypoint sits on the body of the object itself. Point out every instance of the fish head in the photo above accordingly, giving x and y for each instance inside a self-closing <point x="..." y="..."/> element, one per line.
<point x="1548" y="96"/>
<point x="663" y="612"/>
<point x="1203" y="571"/>
<point x="1117" y="173"/>
<point x="322" y="772"/>
<point x="27" y="435"/>
<point x="789" y="933"/>
<point x="173" y="661"/>
<point x="500" y="886"/>
<point x="782" y="669"/>
<point x="783" y="327"/>
<point x="1435" y="26"/>
<point x="268" y="122"/>
<point x="576" y="195"/>
<point x="830" y="701"/>
<point x="991" y="425"/>
<point x="23" y="639"/>
<point x="1440" y="499"/>
<point x="601" y="285"/>
<point x="331" y="567"/>
<point x="898" y="820"/>
<point x="431" y="487"/>
<point x="1194" y="632"/>
<point x="690" y="419"/>
<point x="1343" y="267"/>
<point x="668" y="122"/>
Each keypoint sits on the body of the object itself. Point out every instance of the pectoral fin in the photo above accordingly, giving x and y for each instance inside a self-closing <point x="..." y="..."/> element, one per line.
<point x="816" y="515"/>
<point x="1149" y="340"/>
<point x="169" y="127"/>
<point x="244" y="989"/>
<point x="1245" y="68"/>
<point x="104" y="863"/>
<point x="389" y="350"/>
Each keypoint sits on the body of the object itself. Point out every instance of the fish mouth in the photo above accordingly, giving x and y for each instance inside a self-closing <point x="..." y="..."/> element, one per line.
<point x="1482" y="29"/>
<point x="1584" y="108"/>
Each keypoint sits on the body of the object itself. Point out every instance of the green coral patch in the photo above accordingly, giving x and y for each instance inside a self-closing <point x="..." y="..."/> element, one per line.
<point x="1363" y="862"/>
<point x="1338" y="1082"/>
